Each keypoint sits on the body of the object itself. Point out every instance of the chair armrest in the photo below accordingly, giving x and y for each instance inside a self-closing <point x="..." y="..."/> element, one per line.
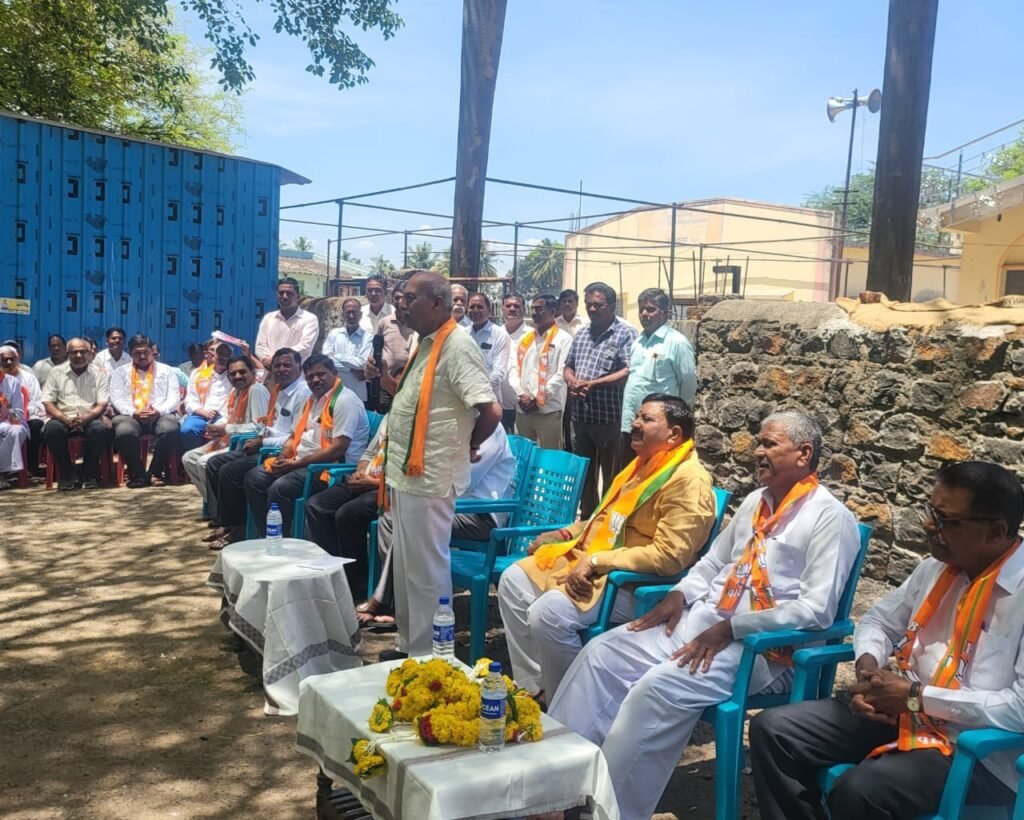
<point x="980" y="743"/>
<point x="486" y="505"/>
<point x="237" y="439"/>
<point x="337" y="471"/>
<point x="808" y="680"/>
<point x="265" y="452"/>
<point x="648" y="597"/>
<point x="761" y="641"/>
<point x="816" y="657"/>
<point x="505" y="533"/>
<point x="314" y="470"/>
<point x="618" y="577"/>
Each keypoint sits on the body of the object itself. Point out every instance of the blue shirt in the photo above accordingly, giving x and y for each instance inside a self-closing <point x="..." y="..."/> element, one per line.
<point x="661" y="362"/>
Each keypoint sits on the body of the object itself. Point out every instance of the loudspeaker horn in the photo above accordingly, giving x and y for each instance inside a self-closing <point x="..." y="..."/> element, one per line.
<point x="873" y="101"/>
<point x="837" y="104"/>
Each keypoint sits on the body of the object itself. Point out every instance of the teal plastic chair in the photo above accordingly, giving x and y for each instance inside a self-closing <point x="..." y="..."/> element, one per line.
<point x="728" y="717"/>
<point x="658" y="584"/>
<point x="972" y="745"/>
<point x="549" y="501"/>
<point x="1018" y="810"/>
<point x="523" y="450"/>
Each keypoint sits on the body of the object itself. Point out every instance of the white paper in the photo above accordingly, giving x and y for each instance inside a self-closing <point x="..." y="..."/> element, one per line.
<point x="327" y="563"/>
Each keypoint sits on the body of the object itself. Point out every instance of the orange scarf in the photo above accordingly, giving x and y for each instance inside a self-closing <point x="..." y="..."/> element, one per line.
<point x="751" y="570"/>
<point x="607" y="527"/>
<point x="414" y="457"/>
<point x="271" y="416"/>
<point x="203" y="382"/>
<point x="542" y="360"/>
<point x="142" y="390"/>
<point x="917" y="730"/>
<point x="326" y="424"/>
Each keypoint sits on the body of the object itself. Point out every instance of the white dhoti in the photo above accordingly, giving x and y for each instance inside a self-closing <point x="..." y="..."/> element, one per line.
<point x="194" y="462"/>
<point x="542" y="629"/>
<point x="12" y="437"/>
<point x="623" y="694"/>
<point x="422" y="564"/>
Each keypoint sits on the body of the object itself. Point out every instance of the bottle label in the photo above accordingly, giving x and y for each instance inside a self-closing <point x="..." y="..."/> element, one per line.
<point x="444" y="633"/>
<point x="273" y="530"/>
<point x="492" y="708"/>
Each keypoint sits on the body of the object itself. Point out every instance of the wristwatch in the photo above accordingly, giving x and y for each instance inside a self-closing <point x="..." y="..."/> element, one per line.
<point x="593" y="561"/>
<point x="914" y="698"/>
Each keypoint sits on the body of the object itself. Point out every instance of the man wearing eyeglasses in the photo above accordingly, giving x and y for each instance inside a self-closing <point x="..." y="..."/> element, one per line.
<point x="957" y="625"/>
<point x="290" y="326"/>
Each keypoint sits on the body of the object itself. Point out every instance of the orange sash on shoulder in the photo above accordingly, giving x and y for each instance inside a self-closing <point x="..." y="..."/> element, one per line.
<point x="542" y="360"/>
<point x="142" y="389"/>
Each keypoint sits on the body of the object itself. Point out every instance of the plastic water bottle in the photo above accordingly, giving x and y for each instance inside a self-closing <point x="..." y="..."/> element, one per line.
<point x="492" y="710"/>
<point x="274" y="529"/>
<point x="444" y="629"/>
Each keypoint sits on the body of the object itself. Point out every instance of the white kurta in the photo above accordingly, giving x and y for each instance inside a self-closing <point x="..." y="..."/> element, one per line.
<point x="623" y="693"/>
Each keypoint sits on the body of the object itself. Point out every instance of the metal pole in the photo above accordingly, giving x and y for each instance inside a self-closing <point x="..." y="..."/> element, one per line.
<point x="693" y="258"/>
<point x="329" y="241"/>
<point x="337" y="261"/>
<point x="701" y="263"/>
<point x="746" y="273"/>
<point x="672" y="266"/>
<point x="405" y="249"/>
<point x="833" y="284"/>
<point x="959" y="171"/>
<point x="622" y="301"/>
<point x="515" y="255"/>
<point x="846" y="280"/>
<point x="576" y="271"/>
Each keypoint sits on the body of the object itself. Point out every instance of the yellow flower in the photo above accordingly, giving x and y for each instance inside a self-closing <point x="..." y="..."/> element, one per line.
<point x="482" y="667"/>
<point x="382" y="716"/>
<point x="365" y="763"/>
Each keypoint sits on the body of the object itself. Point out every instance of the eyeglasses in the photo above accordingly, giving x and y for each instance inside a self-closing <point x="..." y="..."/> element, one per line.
<point x="941" y="520"/>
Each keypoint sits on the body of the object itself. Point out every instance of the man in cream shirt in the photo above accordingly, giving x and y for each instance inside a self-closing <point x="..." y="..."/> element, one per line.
<point x="427" y="471"/>
<point x="289" y="326"/>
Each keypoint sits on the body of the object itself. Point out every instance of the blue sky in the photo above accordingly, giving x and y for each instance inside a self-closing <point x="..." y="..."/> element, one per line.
<point x="648" y="99"/>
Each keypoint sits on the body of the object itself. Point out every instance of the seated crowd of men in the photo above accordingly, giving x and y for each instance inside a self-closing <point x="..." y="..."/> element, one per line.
<point x="452" y="385"/>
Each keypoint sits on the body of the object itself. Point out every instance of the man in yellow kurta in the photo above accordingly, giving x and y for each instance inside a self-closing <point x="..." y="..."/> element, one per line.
<point x="655" y="517"/>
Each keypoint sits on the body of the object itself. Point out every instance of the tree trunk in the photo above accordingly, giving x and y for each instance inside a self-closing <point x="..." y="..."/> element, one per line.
<point x="483" y="23"/>
<point x="908" y="72"/>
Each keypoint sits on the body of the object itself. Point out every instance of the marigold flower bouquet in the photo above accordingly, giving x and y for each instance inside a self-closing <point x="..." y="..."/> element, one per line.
<point x="441" y="704"/>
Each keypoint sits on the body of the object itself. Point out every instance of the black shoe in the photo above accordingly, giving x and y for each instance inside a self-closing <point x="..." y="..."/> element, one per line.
<point x="392" y="655"/>
<point x="90" y="484"/>
<point x="67" y="486"/>
<point x="136" y="483"/>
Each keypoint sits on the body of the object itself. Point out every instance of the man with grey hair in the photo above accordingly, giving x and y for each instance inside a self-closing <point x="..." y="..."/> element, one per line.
<point x="460" y="304"/>
<point x="781" y="563"/>
<point x="443" y="411"/>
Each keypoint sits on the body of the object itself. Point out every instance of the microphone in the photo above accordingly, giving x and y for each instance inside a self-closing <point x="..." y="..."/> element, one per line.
<point x="378" y="351"/>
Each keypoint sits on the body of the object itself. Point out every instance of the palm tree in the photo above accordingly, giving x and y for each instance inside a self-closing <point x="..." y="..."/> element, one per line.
<point x="348" y="257"/>
<point x="541" y="270"/>
<point x="420" y="256"/>
<point x="487" y="259"/>
<point x="302" y="243"/>
<point x="381" y="265"/>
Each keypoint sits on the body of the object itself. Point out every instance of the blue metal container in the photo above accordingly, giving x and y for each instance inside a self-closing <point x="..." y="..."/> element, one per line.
<point x="97" y="230"/>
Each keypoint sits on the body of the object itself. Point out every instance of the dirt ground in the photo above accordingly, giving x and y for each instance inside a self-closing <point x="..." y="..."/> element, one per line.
<point x="123" y="696"/>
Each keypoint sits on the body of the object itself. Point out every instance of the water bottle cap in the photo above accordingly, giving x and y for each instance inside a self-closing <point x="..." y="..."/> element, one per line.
<point x="444" y="600"/>
<point x="495" y="667"/>
<point x="274" y="507"/>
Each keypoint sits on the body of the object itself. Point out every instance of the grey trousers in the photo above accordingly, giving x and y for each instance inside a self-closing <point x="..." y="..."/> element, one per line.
<point x="601" y="444"/>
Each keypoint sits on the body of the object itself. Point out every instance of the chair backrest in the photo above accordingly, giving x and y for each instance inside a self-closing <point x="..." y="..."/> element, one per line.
<point x="721" y="505"/>
<point x="374" y="420"/>
<point x="846" y="601"/>
<point x="522" y="449"/>
<point x="551" y="494"/>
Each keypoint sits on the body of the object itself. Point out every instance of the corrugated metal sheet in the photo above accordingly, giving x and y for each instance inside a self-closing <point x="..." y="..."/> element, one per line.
<point x="100" y="231"/>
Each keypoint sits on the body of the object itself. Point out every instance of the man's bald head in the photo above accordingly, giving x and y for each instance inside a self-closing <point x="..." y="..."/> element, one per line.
<point x="428" y="297"/>
<point x="79" y="354"/>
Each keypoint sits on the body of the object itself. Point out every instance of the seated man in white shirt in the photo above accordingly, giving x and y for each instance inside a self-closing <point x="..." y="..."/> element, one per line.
<point x="331" y="428"/>
<point x="225" y="472"/>
<point x="145" y="397"/>
<point x="113" y="356"/>
<point x="13" y="428"/>
<point x="10" y="363"/>
<point x="781" y="563"/>
<point x="957" y="625"/>
<point x="349" y="347"/>
<point x="246" y="404"/>
<point x="207" y="395"/>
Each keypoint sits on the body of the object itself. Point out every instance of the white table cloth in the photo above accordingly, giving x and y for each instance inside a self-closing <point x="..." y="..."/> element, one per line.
<point x="561" y="771"/>
<point x="301" y="621"/>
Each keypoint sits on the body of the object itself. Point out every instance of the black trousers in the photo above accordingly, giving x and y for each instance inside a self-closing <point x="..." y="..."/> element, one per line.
<point x="263" y="489"/>
<point x="601" y="443"/>
<point x="789" y="744"/>
<point x="230" y="484"/>
<point x="338" y="520"/>
<point x="35" y="440"/>
<point x="97" y="439"/>
<point x="508" y="420"/>
<point x="128" y="430"/>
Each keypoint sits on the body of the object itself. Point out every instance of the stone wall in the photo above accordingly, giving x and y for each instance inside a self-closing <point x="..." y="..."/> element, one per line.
<point x="894" y="406"/>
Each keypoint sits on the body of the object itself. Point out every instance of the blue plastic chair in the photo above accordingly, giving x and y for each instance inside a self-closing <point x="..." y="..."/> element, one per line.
<point x="971" y="746"/>
<point x="549" y="501"/>
<point x="1018" y="810"/>
<point x="658" y="585"/>
<point x="728" y="717"/>
<point x="523" y="450"/>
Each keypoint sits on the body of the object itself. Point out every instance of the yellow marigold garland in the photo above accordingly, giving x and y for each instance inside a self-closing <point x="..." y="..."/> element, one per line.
<point x="443" y="705"/>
